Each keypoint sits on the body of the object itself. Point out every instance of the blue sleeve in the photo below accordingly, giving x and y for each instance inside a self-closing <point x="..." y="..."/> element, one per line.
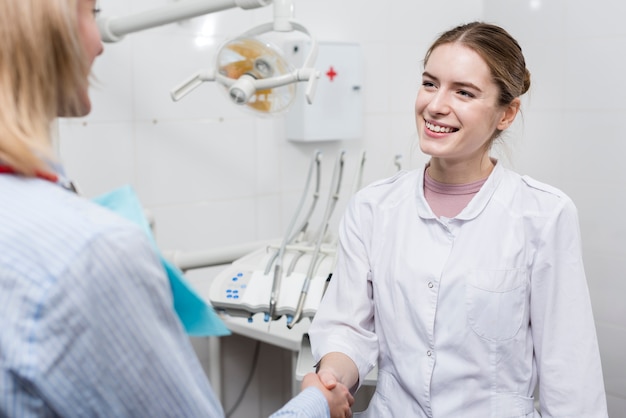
<point x="310" y="403"/>
<point x="108" y="343"/>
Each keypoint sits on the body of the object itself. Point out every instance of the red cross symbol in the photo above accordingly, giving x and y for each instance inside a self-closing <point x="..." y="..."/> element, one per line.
<point x="331" y="73"/>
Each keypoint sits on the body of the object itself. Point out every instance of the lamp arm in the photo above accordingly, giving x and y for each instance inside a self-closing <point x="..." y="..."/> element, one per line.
<point x="303" y="74"/>
<point x="283" y="12"/>
<point x="113" y="29"/>
<point x="188" y="85"/>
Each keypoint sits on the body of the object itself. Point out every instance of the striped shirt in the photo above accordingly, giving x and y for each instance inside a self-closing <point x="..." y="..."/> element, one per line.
<point x="87" y="326"/>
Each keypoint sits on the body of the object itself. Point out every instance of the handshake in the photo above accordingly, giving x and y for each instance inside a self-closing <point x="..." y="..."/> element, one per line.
<point x="337" y="394"/>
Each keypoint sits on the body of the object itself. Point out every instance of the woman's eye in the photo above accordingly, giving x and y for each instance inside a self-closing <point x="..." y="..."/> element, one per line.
<point x="428" y="84"/>
<point x="96" y="8"/>
<point x="465" y="93"/>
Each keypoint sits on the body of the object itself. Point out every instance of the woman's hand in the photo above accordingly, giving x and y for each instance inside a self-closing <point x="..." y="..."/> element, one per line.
<point x="337" y="394"/>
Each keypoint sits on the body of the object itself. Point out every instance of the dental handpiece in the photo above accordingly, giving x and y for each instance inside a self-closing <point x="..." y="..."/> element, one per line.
<point x="278" y="273"/>
<point x="278" y="256"/>
<point x="334" y="196"/>
<point x="298" y="314"/>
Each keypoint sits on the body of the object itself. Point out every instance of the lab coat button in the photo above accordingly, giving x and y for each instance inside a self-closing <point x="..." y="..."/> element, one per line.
<point x="429" y="353"/>
<point x="430" y="285"/>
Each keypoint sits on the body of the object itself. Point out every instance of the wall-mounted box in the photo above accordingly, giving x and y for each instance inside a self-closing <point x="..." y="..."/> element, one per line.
<point x="337" y="109"/>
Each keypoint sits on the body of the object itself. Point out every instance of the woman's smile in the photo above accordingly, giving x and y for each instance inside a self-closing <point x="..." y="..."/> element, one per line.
<point x="439" y="128"/>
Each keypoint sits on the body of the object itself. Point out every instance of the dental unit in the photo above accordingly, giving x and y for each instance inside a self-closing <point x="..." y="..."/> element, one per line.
<point x="250" y="286"/>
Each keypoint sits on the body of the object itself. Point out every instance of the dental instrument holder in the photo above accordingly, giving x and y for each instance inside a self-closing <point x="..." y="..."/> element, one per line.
<point x="332" y="201"/>
<point x="296" y="236"/>
<point x="290" y="237"/>
<point x="244" y="288"/>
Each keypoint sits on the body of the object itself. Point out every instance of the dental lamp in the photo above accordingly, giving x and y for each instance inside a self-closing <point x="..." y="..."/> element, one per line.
<point x="253" y="72"/>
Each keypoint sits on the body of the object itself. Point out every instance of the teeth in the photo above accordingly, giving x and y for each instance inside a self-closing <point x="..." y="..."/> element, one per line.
<point x="437" y="128"/>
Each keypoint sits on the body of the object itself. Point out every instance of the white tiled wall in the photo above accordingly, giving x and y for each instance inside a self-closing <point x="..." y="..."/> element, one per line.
<point x="213" y="175"/>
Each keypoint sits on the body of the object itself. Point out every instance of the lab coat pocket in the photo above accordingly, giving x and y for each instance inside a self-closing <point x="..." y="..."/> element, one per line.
<point x="496" y="302"/>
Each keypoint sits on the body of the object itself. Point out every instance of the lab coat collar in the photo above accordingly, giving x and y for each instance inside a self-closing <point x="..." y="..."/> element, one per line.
<point x="474" y="207"/>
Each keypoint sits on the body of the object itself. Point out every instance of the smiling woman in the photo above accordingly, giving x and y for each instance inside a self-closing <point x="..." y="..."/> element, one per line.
<point x="458" y="114"/>
<point x="485" y="71"/>
<point x="457" y="328"/>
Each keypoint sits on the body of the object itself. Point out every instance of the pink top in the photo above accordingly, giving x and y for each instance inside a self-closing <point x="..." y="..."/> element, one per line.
<point x="448" y="200"/>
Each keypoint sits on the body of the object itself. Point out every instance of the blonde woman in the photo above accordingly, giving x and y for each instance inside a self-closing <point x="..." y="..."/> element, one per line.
<point x="87" y="326"/>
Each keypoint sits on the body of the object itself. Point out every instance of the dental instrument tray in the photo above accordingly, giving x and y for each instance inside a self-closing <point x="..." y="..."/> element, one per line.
<point x="288" y="277"/>
<point x="244" y="288"/>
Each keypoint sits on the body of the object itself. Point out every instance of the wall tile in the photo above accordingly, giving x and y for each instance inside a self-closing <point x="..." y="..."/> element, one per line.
<point x="612" y="348"/>
<point x="523" y="18"/>
<point x="424" y="21"/>
<point x="593" y="66"/>
<point x="378" y="147"/>
<point x="405" y="142"/>
<point x="187" y="162"/>
<point x="270" y="221"/>
<point x="600" y="233"/>
<point x="546" y="61"/>
<point x="586" y="19"/>
<point x="203" y="227"/>
<point x="534" y="144"/>
<point x="617" y="406"/>
<point x="333" y="20"/>
<point x="378" y="76"/>
<point x="99" y="157"/>
<point x="405" y="74"/>
<point x="589" y="132"/>
<point x="607" y="286"/>
<point x="269" y="138"/>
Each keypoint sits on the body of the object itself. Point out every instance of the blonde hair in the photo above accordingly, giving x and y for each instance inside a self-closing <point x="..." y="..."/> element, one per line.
<point x="42" y="73"/>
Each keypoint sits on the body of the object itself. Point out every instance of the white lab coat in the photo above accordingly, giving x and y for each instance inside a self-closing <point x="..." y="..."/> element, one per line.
<point x="464" y="315"/>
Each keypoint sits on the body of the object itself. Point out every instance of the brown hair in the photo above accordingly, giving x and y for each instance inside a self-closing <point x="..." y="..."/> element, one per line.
<point x="42" y="71"/>
<point x="498" y="49"/>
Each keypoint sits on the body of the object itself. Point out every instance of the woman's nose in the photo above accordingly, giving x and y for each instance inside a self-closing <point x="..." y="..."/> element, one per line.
<point x="438" y="103"/>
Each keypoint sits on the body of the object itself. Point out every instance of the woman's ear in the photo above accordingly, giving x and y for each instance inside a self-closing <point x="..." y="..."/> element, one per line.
<point x="509" y="114"/>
